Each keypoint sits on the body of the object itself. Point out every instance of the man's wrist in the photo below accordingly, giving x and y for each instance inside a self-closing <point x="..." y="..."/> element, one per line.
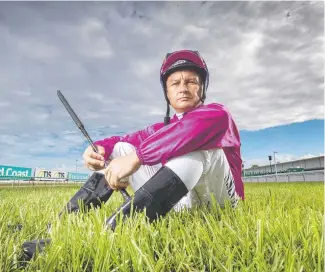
<point x="136" y="159"/>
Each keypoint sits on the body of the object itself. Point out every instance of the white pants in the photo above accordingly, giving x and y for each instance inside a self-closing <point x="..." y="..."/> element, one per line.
<point x="204" y="173"/>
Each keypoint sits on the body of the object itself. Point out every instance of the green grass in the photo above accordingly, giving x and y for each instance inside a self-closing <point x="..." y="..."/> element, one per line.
<point x="279" y="227"/>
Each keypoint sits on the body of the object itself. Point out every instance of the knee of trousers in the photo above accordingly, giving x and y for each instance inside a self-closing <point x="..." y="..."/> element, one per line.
<point x="122" y="149"/>
<point x="189" y="168"/>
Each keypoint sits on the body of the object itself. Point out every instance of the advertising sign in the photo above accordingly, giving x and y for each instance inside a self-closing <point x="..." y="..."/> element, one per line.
<point x="50" y="174"/>
<point x="77" y="176"/>
<point x="14" y="172"/>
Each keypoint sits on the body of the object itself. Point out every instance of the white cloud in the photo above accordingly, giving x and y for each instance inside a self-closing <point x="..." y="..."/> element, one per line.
<point x="144" y="68"/>
<point x="5" y="104"/>
<point x="91" y="115"/>
<point x="73" y="139"/>
<point x="246" y="54"/>
<point x="156" y="111"/>
<point x="23" y="93"/>
<point x="106" y="56"/>
<point x="36" y="49"/>
<point x="93" y="39"/>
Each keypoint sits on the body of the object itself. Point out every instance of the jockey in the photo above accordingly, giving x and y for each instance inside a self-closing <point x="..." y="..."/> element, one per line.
<point x="179" y="163"/>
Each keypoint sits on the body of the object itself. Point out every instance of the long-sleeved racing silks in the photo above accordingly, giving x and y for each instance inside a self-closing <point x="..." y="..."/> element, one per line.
<point x="203" y="128"/>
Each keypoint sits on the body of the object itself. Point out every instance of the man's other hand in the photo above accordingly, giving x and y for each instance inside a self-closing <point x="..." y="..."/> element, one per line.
<point x="94" y="161"/>
<point x="121" y="168"/>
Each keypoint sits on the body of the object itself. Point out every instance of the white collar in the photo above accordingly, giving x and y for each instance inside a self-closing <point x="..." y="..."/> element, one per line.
<point x="180" y="115"/>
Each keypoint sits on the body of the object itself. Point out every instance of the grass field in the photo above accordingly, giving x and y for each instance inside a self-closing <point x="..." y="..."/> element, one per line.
<point x="279" y="227"/>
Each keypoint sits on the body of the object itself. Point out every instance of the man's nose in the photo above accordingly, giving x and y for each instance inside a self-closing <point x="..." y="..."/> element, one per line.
<point x="184" y="87"/>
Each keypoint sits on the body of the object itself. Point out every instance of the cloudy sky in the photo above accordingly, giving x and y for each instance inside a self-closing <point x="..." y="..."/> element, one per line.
<point x="265" y="58"/>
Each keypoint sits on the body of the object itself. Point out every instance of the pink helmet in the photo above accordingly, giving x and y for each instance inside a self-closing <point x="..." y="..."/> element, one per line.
<point x="183" y="59"/>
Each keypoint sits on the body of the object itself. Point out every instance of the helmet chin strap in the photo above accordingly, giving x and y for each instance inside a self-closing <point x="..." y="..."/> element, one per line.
<point x="167" y="118"/>
<point x="203" y="94"/>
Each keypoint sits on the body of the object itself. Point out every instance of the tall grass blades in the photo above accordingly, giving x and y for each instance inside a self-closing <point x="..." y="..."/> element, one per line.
<point x="279" y="227"/>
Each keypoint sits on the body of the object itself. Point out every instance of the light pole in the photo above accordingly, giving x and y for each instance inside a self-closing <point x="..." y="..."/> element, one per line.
<point x="76" y="165"/>
<point x="276" y="172"/>
<point x="270" y="159"/>
<point x="243" y="167"/>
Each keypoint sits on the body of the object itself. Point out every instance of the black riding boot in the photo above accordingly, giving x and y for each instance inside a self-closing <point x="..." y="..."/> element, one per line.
<point x="92" y="193"/>
<point x="158" y="196"/>
<point x="31" y="247"/>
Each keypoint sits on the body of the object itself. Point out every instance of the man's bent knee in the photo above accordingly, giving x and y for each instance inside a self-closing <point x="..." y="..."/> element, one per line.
<point x="122" y="149"/>
<point x="188" y="167"/>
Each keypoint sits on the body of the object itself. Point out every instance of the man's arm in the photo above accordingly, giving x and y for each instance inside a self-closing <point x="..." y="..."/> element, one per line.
<point x="203" y="127"/>
<point x="135" y="139"/>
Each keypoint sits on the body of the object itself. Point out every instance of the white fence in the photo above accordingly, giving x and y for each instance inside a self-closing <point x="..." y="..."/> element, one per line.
<point x="307" y="176"/>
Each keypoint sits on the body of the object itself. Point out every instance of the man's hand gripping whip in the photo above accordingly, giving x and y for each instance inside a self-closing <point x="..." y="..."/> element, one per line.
<point x="83" y="130"/>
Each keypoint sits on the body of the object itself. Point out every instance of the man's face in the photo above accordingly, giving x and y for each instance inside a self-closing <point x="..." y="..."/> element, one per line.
<point x="184" y="89"/>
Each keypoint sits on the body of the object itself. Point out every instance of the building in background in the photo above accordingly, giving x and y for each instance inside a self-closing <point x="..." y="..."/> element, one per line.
<point x="309" y="164"/>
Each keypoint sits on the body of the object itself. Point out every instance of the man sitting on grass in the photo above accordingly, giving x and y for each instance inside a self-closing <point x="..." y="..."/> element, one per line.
<point x="181" y="162"/>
